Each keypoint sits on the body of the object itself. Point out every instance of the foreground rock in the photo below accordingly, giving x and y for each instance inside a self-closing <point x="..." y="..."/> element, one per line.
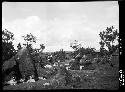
<point x="21" y="64"/>
<point x="26" y="65"/>
<point x="9" y="69"/>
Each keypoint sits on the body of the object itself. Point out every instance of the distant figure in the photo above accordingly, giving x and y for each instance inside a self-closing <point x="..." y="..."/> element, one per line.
<point x="67" y="68"/>
<point x="78" y="57"/>
<point x="22" y="80"/>
<point x="48" y="66"/>
<point x="46" y="84"/>
<point x="82" y="60"/>
<point x="31" y="79"/>
<point x="50" y="59"/>
<point x="55" y="64"/>
<point x="84" y="56"/>
<point x="81" y="67"/>
<point x="42" y="78"/>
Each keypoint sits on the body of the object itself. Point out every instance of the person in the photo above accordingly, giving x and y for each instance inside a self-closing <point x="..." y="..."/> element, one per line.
<point x="82" y="60"/>
<point x="12" y="81"/>
<point x="31" y="79"/>
<point x="49" y="59"/>
<point x="22" y="80"/>
<point x="78" y="58"/>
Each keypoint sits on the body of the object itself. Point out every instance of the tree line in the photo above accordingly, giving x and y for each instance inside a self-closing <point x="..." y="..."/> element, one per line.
<point x="108" y="38"/>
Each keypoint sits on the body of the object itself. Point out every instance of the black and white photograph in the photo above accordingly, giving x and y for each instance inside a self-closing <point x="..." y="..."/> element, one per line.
<point x="60" y="45"/>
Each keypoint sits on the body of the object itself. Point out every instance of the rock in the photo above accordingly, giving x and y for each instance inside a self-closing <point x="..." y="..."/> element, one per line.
<point x="8" y="77"/>
<point x="8" y="64"/>
<point x="20" y="63"/>
<point x="25" y="62"/>
<point x="9" y="69"/>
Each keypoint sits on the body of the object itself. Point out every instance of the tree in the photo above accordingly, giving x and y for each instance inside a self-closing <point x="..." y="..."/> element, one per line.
<point x="79" y="49"/>
<point x="61" y="55"/>
<point x="108" y="39"/>
<point x="42" y="46"/>
<point x="19" y="46"/>
<point x="90" y="51"/>
<point x="29" y="38"/>
<point x="75" y="45"/>
<point x="7" y="36"/>
<point x="7" y="45"/>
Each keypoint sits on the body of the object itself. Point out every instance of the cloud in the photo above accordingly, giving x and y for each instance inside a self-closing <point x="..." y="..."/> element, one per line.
<point x="20" y="27"/>
<point x="112" y="15"/>
<point x="58" y="24"/>
<point x="57" y="48"/>
<point x="55" y="34"/>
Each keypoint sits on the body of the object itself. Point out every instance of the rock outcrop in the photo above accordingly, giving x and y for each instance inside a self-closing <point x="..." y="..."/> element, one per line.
<point x="21" y="61"/>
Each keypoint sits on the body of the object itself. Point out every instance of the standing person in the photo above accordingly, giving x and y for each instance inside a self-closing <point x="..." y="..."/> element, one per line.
<point x="78" y="58"/>
<point x="77" y="63"/>
<point x="83" y="59"/>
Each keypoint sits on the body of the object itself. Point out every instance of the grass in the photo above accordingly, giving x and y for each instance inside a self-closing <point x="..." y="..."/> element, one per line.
<point x="102" y="77"/>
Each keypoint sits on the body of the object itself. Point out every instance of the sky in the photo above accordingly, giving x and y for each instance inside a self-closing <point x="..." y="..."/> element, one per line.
<point x="57" y="24"/>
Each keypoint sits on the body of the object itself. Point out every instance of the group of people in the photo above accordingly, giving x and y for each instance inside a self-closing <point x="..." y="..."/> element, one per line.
<point x="13" y="80"/>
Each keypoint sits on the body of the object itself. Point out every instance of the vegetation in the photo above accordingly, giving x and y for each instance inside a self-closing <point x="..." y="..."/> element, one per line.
<point x="19" y="46"/>
<point x="29" y="38"/>
<point x="94" y="71"/>
<point x="108" y="39"/>
<point x="7" y="45"/>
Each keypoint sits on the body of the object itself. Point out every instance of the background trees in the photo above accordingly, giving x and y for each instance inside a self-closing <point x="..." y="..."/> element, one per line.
<point x="7" y="45"/>
<point x="79" y="49"/>
<point x="29" y="38"/>
<point x="61" y="55"/>
<point x="109" y="37"/>
<point x="19" y="46"/>
<point x="75" y="45"/>
<point x="42" y="46"/>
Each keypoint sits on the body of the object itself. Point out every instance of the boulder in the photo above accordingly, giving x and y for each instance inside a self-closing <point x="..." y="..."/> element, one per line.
<point x="8" y="64"/>
<point x="21" y="64"/>
<point x="10" y="68"/>
<point x="26" y="65"/>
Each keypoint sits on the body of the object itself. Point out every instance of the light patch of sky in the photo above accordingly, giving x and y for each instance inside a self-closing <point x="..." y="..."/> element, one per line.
<point x="57" y="24"/>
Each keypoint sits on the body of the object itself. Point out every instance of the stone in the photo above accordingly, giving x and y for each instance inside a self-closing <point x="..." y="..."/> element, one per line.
<point x="9" y="69"/>
<point x="8" y="64"/>
<point x="21" y="63"/>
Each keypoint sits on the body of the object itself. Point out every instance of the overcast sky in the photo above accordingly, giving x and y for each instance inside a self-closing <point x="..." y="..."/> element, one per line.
<point x="57" y="24"/>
